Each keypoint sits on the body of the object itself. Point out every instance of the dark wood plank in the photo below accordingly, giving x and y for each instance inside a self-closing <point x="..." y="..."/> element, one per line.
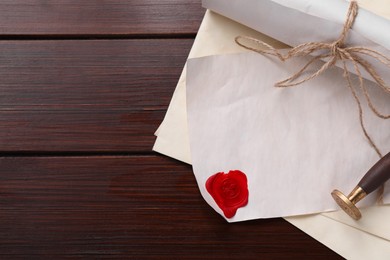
<point x="78" y="131"/>
<point x="138" y="207"/>
<point x="86" y="95"/>
<point x="114" y="74"/>
<point x="91" y="17"/>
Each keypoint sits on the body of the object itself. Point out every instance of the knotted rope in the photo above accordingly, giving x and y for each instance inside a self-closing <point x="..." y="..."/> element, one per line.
<point x="331" y="53"/>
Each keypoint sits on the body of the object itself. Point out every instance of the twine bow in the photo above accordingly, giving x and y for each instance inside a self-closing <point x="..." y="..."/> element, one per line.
<point x="333" y="52"/>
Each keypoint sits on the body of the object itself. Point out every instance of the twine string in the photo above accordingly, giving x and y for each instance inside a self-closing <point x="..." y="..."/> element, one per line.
<point x="331" y="53"/>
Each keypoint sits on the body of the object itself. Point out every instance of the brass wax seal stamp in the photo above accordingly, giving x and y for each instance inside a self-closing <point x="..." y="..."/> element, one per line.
<point x="376" y="176"/>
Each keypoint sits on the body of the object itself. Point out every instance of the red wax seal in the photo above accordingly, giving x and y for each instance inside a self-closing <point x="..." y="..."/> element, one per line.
<point x="229" y="190"/>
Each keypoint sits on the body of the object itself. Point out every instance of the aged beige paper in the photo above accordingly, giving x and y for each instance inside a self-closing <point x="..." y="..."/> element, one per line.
<point x="216" y="37"/>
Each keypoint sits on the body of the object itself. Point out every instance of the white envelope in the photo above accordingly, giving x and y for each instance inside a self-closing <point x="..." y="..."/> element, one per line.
<point x="216" y="36"/>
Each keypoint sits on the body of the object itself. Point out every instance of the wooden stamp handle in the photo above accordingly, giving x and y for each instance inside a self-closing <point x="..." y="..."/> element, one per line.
<point x="377" y="175"/>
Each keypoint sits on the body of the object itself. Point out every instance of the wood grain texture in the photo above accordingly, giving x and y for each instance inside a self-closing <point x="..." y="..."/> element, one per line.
<point x="86" y="95"/>
<point x="141" y="207"/>
<point x="92" y="17"/>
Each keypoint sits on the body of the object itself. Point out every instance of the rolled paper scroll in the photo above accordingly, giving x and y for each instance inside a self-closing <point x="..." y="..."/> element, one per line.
<point x="300" y="21"/>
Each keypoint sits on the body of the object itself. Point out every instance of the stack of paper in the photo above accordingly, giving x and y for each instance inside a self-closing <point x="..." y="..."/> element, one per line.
<point x="335" y="229"/>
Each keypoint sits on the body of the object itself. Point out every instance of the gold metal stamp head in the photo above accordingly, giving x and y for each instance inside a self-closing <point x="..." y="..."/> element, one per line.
<point x="348" y="203"/>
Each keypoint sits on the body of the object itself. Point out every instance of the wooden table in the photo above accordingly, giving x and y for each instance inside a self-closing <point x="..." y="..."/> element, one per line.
<point x="83" y="87"/>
